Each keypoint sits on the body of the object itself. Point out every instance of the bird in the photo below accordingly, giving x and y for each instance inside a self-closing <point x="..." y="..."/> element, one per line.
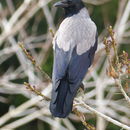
<point x="74" y="46"/>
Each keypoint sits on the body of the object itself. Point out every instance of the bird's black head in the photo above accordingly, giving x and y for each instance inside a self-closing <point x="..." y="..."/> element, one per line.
<point x="70" y="6"/>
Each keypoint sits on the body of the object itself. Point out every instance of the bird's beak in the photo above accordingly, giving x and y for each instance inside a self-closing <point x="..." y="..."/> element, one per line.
<point x="62" y="4"/>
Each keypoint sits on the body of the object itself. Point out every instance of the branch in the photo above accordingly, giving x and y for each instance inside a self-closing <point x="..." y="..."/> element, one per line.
<point x="116" y="65"/>
<point x="118" y="83"/>
<point x="82" y="118"/>
<point x="81" y="103"/>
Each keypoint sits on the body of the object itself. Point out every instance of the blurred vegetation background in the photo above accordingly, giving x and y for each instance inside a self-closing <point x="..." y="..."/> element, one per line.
<point x="29" y="21"/>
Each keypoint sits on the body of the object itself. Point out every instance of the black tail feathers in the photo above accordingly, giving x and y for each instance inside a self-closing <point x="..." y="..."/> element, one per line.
<point x="62" y="99"/>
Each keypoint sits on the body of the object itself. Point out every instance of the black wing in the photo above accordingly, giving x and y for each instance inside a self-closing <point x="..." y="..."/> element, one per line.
<point x="68" y="72"/>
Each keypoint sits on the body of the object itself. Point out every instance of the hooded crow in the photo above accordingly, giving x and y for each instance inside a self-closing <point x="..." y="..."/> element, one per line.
<point x="74" y="46"/>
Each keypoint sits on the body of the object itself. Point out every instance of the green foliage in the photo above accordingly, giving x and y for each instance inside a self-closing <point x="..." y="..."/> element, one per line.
<point x="17" y="99"/>
<point x="3" y="107"/>
<point x="112" y="127"/>
<point x="47" y="67"/>
<point x="97" y="18"/>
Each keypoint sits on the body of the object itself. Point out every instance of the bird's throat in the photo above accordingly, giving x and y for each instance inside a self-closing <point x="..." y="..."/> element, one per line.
<point x="73" y="10"/>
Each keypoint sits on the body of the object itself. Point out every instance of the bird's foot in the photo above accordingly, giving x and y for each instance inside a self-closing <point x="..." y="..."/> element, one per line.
<point x="81" y="90"/>
<point x="82" y="87"/>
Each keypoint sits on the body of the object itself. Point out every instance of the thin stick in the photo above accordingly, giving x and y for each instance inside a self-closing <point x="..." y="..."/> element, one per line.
<point x="115" y="74"/>
<point x="82" y="118"/>
<point x="33" y="61"/>
<point x="36" y="91"/>
<point x="81" y="103"/>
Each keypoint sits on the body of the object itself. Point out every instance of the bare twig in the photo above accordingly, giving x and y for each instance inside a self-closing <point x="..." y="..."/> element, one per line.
<point x="28" y="86"/>
<point x="81" y="103"/>
<point x="34" y="61"/>
<point x="115" y="69"/>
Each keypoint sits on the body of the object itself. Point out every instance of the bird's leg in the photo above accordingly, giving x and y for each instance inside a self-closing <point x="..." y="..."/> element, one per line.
<point x="81" y="90"/>
<point x="81" y="86"/>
